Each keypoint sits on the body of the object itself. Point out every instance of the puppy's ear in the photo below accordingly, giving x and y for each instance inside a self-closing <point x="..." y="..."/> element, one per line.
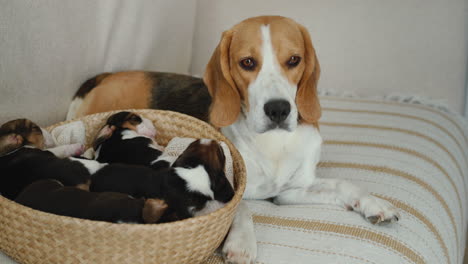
<point x="104" y="134"/>
<point x="222" y="189"/>
<point x="226" y="101"/>
<point x="307" y="99"/>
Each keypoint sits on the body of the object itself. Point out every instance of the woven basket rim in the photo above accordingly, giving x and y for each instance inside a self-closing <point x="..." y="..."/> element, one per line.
<point x="240" y="180"/>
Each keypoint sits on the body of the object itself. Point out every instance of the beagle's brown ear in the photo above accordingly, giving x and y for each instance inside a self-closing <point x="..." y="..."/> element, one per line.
<point x="226" y="102"/>
<point x="307" y="99"/>
<point x="104" y="134"/>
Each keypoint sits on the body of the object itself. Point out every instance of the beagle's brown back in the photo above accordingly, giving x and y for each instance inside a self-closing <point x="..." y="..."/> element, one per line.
<point x="139" y="90"/>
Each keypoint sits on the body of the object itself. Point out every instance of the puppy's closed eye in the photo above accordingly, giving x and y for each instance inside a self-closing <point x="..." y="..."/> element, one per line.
<point x="135" y="118"/>
<point x="36" y="129"/>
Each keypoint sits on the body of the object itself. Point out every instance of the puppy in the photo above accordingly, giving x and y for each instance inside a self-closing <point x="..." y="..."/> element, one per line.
<point x="196" y="183"/>
<point x="52" y="197"/>
<point x="127" y="138"/>
<point x="23" y="160"/>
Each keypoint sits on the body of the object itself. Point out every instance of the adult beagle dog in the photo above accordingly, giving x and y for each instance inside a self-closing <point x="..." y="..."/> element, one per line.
<point x="261" y="88"/>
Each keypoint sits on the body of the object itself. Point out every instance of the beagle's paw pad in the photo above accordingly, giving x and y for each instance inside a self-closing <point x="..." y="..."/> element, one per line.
<point x="232" y="257"/>
<point x="239" y="252"/>
<point x="378" y="211"/>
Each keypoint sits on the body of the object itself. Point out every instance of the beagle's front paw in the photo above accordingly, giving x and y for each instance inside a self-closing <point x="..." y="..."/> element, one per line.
<point x="239" y="253"/>
<point x="240" y="248"/>
<point x="376" y="210"/>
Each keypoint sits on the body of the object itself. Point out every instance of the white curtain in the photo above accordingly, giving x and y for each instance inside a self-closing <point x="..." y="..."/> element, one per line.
<point x="49" y="47"/>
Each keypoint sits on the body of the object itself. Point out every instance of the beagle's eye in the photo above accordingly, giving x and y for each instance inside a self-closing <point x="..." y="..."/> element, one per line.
<point x="293" y="61"/>
<point x="135" y="118"/>
<point x="248" y="64"/>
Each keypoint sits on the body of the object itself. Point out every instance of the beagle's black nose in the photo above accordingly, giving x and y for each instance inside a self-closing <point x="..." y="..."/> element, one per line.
<point x="277" y="110"/>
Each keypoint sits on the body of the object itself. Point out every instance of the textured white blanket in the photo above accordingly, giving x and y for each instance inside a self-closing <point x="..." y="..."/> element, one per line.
<point x="69" y="133"/>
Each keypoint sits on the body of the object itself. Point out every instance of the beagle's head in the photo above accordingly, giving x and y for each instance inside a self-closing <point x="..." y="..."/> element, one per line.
<point x="125" y="121"/>
<point x="265" y="68"/>
<point x="20" y="132"/>
<point x="202" y="165"/>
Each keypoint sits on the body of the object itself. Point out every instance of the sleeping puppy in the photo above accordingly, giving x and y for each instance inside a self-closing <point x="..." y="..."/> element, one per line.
<point x="127" y="138"/>
<point x="195" y="185"/>
<point x="23" y="160"/>
<point x="53" y="197"/>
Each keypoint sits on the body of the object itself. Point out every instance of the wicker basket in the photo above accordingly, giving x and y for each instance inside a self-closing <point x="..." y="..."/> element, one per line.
<point x="31" y="236"/>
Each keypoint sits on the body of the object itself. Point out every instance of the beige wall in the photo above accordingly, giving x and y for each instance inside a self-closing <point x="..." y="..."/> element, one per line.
<point x="364" y="46"/>
<point x="49" y="47"/>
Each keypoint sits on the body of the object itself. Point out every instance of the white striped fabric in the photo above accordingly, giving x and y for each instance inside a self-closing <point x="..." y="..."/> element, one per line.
<point x="411" y="155"/>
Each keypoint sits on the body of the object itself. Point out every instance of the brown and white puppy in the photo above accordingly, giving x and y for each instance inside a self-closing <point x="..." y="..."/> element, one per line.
<point x="27" y="133"/>
<point x="127" y="138"/>
<point x="196" y="183"/>
<point x="53" y="197"/>
<point x="262" y="79"/>
<point x="21" y="132"/>
<point x="23" y="160"/>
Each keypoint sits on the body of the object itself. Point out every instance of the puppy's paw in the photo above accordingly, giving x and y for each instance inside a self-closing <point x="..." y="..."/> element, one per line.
<point x="78" y="149"/>
<point x="153" y="210"/>
<point x="75" y="149"/>
<point x="239" y="250"/>
<point x="376" y="210"/>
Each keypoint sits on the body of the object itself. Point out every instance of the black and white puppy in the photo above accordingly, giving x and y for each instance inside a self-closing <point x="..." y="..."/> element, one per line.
<point x="127" y="138"/>
<point x="23" y="160"/>
<point x="196" y="183"/>
<point x="52" y="197"/>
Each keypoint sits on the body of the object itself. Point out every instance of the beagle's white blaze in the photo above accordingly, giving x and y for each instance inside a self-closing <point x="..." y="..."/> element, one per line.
<point x="129" y="134"/>
<point x="205" y="141"/>
<point x="197" y="179"/>
<point x="270" y="84"/>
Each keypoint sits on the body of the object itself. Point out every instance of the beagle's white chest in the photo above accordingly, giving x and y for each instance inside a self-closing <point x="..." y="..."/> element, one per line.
<point x="277" y="160"/>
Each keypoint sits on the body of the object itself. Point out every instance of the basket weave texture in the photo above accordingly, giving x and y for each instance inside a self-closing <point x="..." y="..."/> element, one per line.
<point x="31" y="236"/>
